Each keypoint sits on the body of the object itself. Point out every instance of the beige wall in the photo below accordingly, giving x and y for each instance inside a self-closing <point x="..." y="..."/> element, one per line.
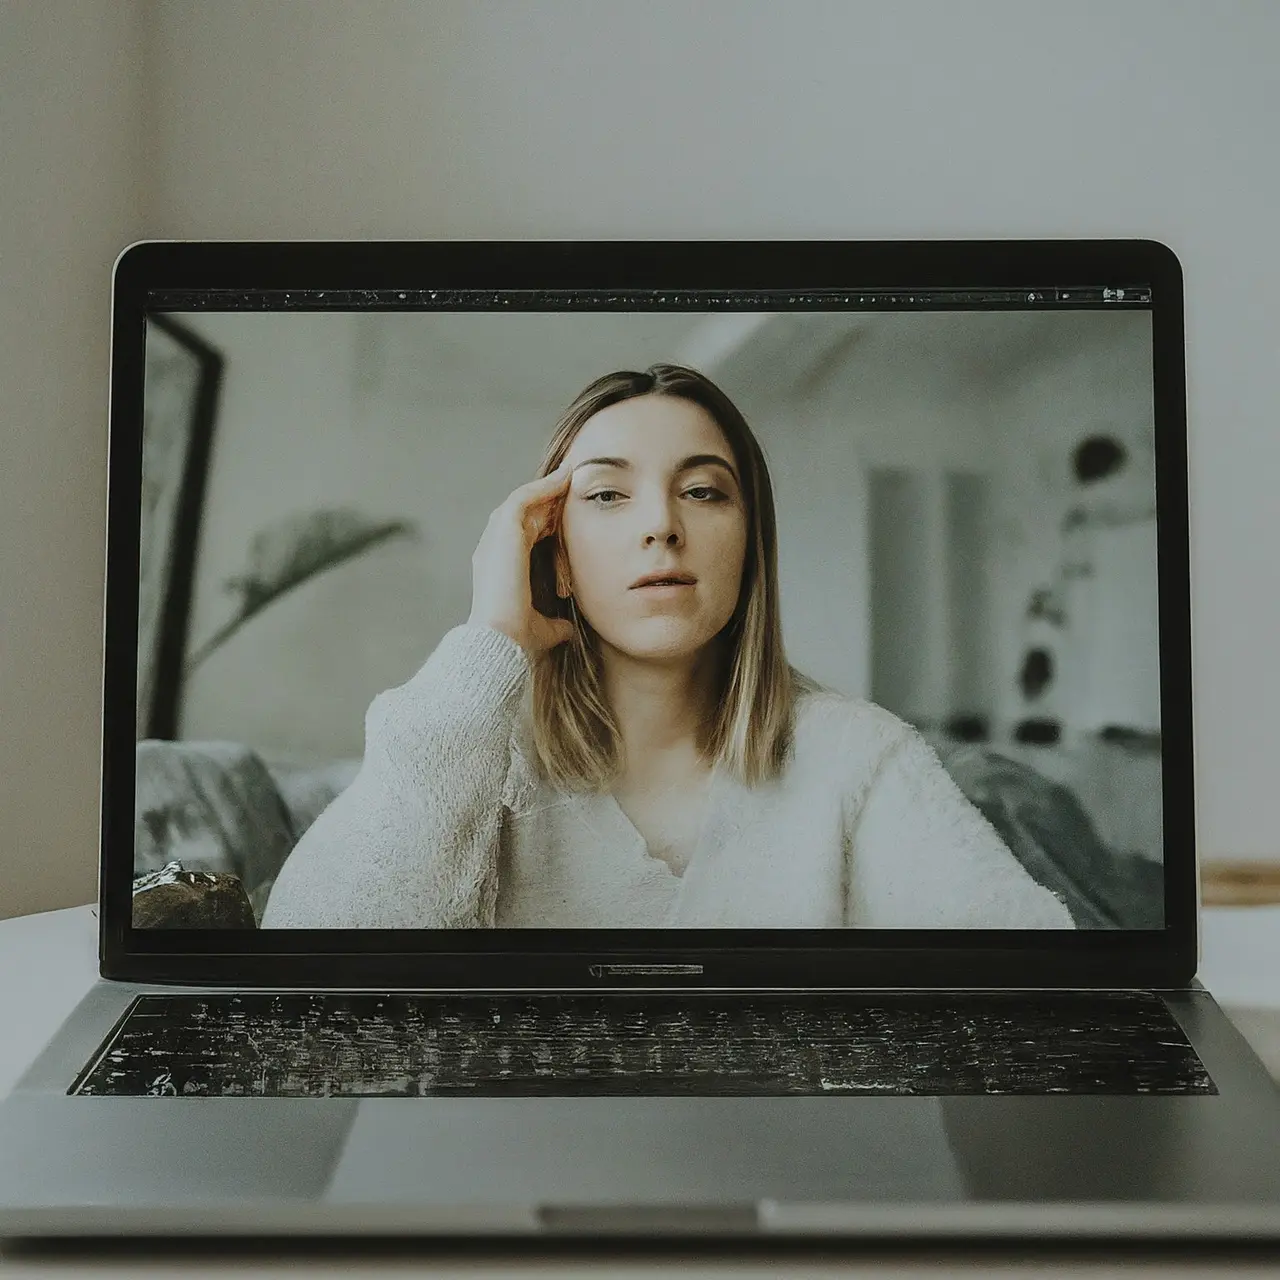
<point x="70" y="198"/>
<point x="314" y="118"/>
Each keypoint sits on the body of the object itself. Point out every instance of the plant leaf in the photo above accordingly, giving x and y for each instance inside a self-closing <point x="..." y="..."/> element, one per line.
<point x="300" y="548"/>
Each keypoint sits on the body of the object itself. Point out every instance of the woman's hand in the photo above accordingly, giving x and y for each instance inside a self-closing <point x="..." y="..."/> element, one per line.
<point x="501" y="596"/>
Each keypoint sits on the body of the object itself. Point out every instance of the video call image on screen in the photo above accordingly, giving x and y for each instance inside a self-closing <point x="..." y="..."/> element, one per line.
<point x="895" y="664"/>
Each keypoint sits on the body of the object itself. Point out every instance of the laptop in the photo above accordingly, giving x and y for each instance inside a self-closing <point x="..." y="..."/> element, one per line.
<point x="652" y="739"/>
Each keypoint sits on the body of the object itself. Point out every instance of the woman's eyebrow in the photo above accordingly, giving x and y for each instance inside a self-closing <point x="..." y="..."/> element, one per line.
<point x="686" y="464"/>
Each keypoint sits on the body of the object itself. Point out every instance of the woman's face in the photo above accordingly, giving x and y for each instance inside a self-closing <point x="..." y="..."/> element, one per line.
<point x="654" y="491"/>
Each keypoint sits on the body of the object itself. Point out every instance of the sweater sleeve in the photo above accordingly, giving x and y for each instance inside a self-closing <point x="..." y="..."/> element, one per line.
<point x="412" y="842"/>
<point x="923" y="856"/>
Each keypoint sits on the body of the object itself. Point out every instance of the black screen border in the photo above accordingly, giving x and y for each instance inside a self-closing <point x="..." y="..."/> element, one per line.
<point x="711" y="959"/>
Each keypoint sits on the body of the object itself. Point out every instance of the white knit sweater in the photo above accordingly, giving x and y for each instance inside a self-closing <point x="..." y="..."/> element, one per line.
<point x="448" y="824"/>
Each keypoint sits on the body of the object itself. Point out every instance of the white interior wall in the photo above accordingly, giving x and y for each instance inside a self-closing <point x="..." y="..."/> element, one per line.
<point x="467" y="118"/>
<point x="70" y="197"/>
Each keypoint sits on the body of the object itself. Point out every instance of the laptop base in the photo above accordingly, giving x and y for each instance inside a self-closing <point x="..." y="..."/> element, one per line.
<point x="1199" y="1166"/>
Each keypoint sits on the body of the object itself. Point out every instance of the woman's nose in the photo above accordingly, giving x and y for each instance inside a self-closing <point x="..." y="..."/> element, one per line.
<point x="671" y="538"/>
<point x="659" y="518"/>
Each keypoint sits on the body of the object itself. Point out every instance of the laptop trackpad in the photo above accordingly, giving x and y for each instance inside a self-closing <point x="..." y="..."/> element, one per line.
<point x="556" y="1152"/>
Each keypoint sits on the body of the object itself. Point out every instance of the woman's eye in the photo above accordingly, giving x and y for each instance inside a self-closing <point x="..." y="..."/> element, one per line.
<point x="700" y="493"/>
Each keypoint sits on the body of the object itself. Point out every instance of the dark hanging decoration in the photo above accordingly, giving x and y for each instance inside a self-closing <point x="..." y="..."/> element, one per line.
<point x="1096" y="457"/>
<point x="1037" y="672"/>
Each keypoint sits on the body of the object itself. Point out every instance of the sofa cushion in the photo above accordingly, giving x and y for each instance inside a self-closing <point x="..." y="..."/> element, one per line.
<point x="1048" y="830"/>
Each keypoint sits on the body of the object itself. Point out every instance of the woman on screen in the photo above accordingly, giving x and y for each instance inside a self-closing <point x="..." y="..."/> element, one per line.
<point x="615" y="739"/>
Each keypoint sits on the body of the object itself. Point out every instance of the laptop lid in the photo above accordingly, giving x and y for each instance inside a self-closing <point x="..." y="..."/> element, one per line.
<point x="974" y="455"/>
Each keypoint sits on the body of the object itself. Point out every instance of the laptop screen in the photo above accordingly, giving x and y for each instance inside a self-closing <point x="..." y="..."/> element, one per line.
<point x="650" y="611"/>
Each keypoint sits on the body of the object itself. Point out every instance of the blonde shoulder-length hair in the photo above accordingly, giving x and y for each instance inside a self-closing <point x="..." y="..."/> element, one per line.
<point x="749" y="731"/>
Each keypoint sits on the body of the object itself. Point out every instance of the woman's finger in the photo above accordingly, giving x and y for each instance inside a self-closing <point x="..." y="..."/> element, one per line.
<point x="544" y="487"/>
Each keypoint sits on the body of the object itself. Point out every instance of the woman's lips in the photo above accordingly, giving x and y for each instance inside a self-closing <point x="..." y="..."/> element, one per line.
<point x="663" y="591"/>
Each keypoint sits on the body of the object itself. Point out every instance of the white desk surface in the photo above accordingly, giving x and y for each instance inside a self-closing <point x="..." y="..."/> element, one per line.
<point x="48" y="961"/>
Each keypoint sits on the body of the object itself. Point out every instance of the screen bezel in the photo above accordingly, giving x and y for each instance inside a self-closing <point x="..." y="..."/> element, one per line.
<point x="719" y="959"/>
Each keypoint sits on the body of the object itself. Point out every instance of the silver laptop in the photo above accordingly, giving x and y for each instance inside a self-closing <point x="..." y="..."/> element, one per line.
<point x="647" y="739"/>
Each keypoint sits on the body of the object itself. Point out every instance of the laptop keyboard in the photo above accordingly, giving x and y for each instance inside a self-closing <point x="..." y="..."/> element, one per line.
<point x="368" y="1044"/>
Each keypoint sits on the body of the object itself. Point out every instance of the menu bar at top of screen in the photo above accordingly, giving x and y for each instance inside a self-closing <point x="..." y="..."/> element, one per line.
<point x="906" y="298"/>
